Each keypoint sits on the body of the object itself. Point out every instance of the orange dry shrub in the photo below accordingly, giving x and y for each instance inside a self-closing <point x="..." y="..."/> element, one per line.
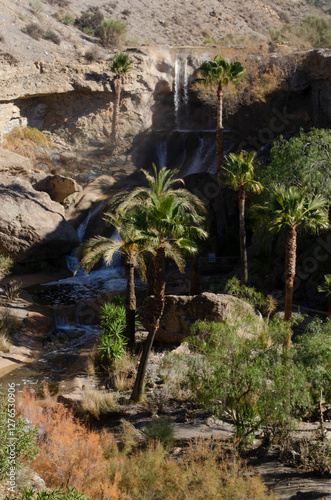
<point x="70" y="454"/>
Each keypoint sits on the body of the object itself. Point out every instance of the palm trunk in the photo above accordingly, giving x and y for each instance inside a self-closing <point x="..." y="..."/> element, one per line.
<point x="290" y="267"/>
<point x="242" y="237"/>
<point x="116" y="110"/>
<point x="194" y="277"/>
<point x="219" y="151"/>
<point x="150" y="277"/>
<point x="130" y="305"/>
<point x="159" y="293"/>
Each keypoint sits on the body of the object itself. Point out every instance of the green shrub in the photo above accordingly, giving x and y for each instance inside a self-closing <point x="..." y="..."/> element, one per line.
<point x="6" y="265"/>
<point x="264" y="303"/>
<point x="162" y="429"/>
<point x="89" y="20"/>
<point x="111" y="32"/>
<point x="52" y="36"/>
<point x="316" y="30"/>
<point x="112" y="343"/>
<point x="70" y="494"/>
<point x="238" y="372"/>
<point x="68" y="20"/>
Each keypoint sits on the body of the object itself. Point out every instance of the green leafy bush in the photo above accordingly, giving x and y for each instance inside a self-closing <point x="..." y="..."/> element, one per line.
<point x="238" y="372"/>
<point x="70" y="494"/>
<point x="68" y="20"/>
<point x="162" y="429"/>
<point x="111" y="32"/>
<point x="112" y="343"/>
<point x="264" y="303"/>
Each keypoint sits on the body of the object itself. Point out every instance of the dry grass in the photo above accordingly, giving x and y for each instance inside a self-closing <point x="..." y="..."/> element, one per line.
<point x="8" y="325"/>
<point x="97" y="403"/>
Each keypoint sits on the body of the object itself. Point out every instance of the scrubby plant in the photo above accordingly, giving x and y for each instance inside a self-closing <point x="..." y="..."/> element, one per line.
<point x="12" y="290"/>
<point x="317" y="30"/>
<point x="162" y="429"/>
<point x="111" y="32"/>
<point x="68" y="20"/>
<point x="24" y="438"/>
<point x="8" y="325"/>
<point x="92" y="55"/>
<point x="264" y="303"/>
<point x="6" y="265"/>
<point x="89" y="20"/>
<point x="34" y="31"/>
<point x="96" y="403"/>
<point x="52" y="36"/>
<point x="69" y="494"/>
<point x="238" y="372"/>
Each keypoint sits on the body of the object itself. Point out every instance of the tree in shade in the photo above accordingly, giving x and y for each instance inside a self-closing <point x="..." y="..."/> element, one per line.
<point x="291" y="209"/>
<point x="238" y="174"/>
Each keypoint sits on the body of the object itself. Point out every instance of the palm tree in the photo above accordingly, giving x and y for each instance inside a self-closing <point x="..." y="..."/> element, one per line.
<point x="220" y="72"/>
<point x="131" y="246"/>
<point x="326" y="288"/>
<point x="172" y="224"/>
<point x="121" y="65"/>
<point x="291" y="209"/>
<point x="239" y="175"/>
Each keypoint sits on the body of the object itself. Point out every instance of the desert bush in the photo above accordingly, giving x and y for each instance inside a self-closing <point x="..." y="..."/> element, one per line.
<point x="12" y="290"/>
<point x="96" y="404"/>
<point x="36" y="6"/>
<point x="69" y="494"/>
<point x="205" y="471"/>
<point x="89" y="20"/>
<point x="59" y="3"/>
<point x="70" y="454"/>
<point x="52" y="36"/>
<point x="34" y="31"/>
<point x="266" y="304"/>
<point x="315" y="456"/>
<point x="26" y="133"/>
<point x="92" y="55"/>
<point x="238" y="372"/>
<point x="111" y="32"/>
<point x="317" y="30"/>
<point x="162" y="429"/>
<point x="25" y="437"/>
<point x="6" y="265"/>
<point x="68" y="20"/>
<point x="8" y="325"/>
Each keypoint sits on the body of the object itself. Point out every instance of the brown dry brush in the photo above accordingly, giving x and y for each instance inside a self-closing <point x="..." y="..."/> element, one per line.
<point x="97" y="466"/>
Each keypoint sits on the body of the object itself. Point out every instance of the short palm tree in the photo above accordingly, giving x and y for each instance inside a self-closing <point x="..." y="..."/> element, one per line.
<point x="131" y="246"/>
<point x="291" y="209"/>
<point x="121" y="65"/>
<point x="238" y="173"/>
<point x="173" y="219"/>
<point x="220" y="72"/>
<point x="326" y="288"/>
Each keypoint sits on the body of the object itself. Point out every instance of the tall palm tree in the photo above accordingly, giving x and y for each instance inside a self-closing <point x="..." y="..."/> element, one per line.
<point x="219" y="72"/>
<point x="131" y="246"/>
<point x="326" y="288"/>
<point x="121" y="65"/>
<point x="238" y="173"/>
<point x="291" y="209"/>
<point x="173" y="219"/>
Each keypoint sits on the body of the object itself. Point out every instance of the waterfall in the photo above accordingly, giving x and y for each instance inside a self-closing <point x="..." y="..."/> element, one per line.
<point x="186" y="82"/>
<point x="196" y="161"/>
<point x="177" y="86"/>
<point x="162" y="152"/>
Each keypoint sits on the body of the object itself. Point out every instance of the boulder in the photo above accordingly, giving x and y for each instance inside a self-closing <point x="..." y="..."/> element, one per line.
<point x="14" y="164"/>
<point x="58" y="187"/>
<point x="32" y="226"/>
<point x="181" y="311"/>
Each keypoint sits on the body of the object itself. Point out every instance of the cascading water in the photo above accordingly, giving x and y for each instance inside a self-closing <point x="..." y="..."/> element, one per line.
<point x="162" y="152"/>
<point x="177" y="89"/>
<point x="181" y="89"/>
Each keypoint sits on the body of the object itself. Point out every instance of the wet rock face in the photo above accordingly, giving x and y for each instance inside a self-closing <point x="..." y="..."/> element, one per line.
<point x="181" y="311"/>
<point x="32" y="226"/>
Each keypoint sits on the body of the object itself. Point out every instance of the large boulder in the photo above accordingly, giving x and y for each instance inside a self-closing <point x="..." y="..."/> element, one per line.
<point x="58" y="187"/>
<point x="32" y="226"/>
<point x="14" y="164"/>
<point x="181" y="311"/>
